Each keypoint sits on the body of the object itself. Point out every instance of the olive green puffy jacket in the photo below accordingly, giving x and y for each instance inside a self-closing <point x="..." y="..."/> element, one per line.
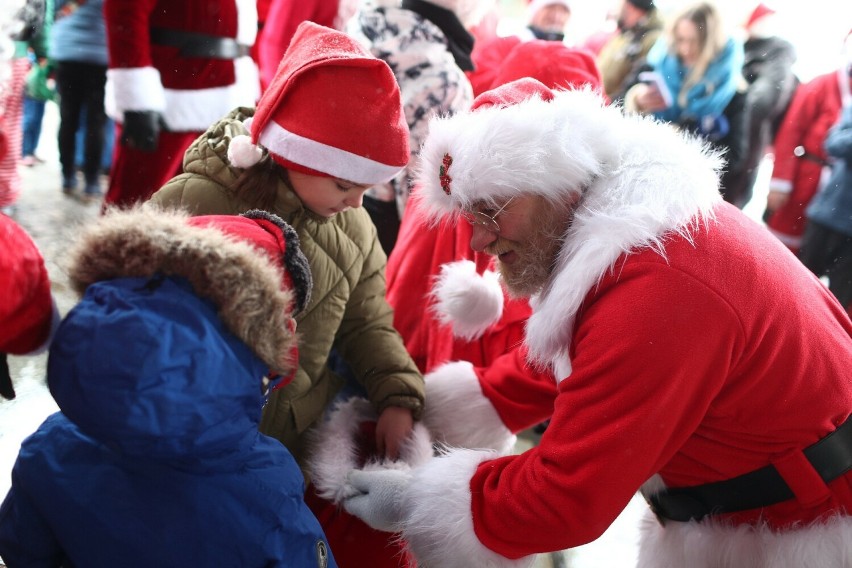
<point x="347" y="309"/>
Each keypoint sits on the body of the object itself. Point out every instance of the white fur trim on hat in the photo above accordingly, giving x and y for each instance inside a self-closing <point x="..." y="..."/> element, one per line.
<point x="439" y="526"/>
<point x="550" y="148"/>
<point x="335" y="449"/>
<point x="709" y="544"/>
<point x="243" y="153"/>
<point x="459" y="414"/>
<point x="469" y="302"/>
<point x="324" y="158"/>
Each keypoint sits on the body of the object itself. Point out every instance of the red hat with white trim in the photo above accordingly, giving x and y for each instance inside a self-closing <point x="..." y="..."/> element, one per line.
<point x="332" y="110"/>
<point x="521" y="137"/>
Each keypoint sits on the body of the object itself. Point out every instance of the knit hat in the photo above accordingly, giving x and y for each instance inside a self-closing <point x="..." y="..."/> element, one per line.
<point x="27" y="312"/>
<point x="249" y="266"/>
<point x="519" y="137"/>
<point x="552" y="63"/>
<point x="645" y="5"/>
<point x="332" y="110"/>
<point x="536" y="5"/>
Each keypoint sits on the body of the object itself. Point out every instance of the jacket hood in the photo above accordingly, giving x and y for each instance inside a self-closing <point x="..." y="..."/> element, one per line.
<point x="145" y="366"/>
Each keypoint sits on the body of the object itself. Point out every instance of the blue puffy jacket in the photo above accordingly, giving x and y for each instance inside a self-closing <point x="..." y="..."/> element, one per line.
<point x="155" y="458"/>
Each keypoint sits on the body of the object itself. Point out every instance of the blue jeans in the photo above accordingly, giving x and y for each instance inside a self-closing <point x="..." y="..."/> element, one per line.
<point x="31" y="125"/>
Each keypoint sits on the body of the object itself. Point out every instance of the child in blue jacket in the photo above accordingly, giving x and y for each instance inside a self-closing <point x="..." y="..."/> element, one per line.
<point x="160" y="374"/>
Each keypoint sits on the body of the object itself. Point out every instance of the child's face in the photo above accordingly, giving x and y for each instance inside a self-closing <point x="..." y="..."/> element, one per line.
<point x="327" y="196"/>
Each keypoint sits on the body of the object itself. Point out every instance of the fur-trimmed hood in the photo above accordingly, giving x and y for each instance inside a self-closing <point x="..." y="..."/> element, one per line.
<point x="640" y="180"/>
<point x="243" y="285"/>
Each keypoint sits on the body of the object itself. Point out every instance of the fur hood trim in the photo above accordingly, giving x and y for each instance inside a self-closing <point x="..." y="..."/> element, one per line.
<point x="640" y="180"/>
<point x="336" y="449"/>
<point x="241" y="283"/>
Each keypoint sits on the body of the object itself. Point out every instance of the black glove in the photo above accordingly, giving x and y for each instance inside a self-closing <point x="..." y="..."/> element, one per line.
<point x="141" y="129"/>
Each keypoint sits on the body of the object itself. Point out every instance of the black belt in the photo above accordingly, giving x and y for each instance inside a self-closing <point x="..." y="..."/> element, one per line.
<point x="194" y="44"/>
<point x="799" y="152"/>
<point x="831" y="457"/>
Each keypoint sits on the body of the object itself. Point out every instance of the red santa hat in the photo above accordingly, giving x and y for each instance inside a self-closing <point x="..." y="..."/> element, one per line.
<point x="519" y="137"/>
<point x="332" y="110"/>
<point x="27" y="312"/>
<point x="760" y="11"/>
<point x="550" y="62"/>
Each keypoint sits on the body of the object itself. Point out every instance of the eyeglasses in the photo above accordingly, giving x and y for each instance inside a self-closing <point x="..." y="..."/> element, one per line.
<point x="488" y="222"/>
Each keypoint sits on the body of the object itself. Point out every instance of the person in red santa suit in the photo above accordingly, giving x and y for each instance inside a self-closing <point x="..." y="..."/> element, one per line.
<point x="175" y="67"/>
<point x="801" y="163"/>
<point x="677" y="372"/>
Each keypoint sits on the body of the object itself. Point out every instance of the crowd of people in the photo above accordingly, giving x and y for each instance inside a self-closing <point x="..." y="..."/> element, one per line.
<point x="344" y="256"/>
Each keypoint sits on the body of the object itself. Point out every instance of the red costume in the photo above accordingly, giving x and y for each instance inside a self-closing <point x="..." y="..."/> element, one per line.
<point x="690" y="348"/>
<point x="188" y="61"/>
<point x="800" y="159"/>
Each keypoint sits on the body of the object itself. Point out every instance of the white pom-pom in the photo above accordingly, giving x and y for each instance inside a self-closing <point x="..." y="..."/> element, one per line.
<point x="243" y="153"/>
<point x="469" y="302"/>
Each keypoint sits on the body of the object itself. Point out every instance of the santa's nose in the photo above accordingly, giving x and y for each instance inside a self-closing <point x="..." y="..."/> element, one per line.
<point x="481" y="238"/>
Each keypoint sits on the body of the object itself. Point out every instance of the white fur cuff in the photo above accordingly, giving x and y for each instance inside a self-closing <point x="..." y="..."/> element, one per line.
<point x="458" y="414"/>
<point x="439" y="524"/>
<point x="335" y="449"/>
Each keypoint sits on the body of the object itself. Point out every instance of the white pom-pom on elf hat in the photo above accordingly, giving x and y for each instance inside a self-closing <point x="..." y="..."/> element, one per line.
<point x="332" y="110"/>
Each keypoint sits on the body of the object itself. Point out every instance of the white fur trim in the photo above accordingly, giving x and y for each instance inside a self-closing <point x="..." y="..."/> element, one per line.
<point x="780" y="185"/>
<point x="335" y="451"/>
<point x="243" y="153"/>
<point x="246" y="21"/>
<point x="459" y="414"/>
<point x="708" y="544"/>
<point x="470" y="302"/>
<point x="190" y="110"/>
<point x="438" y="525"/>
<point x="138" y="88"/>
<point x="324" y="158"/>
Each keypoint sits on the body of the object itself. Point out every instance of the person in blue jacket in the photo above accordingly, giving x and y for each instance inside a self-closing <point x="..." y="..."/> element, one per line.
<point x="160" y="373"/>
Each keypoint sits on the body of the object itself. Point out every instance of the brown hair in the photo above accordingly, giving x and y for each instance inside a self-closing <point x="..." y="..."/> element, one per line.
<point x="258" y="184"/>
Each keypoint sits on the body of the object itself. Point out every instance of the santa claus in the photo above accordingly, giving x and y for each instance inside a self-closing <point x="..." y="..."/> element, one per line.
<point x="695" y="357"/>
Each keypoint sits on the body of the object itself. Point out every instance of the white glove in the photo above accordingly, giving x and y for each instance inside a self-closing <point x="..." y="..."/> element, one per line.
<point x="379" y="499"/>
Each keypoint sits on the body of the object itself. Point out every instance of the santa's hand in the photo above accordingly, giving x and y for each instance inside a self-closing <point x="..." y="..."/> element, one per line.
<point x="379" y="499"/>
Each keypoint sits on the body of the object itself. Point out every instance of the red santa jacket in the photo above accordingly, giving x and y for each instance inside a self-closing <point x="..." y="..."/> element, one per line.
<point x="799" y="154"/>
<point x="709" y="359"/>
<point x="149" y="74"/>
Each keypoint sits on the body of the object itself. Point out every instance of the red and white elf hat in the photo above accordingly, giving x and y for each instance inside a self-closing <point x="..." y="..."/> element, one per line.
<point x="332" y="110"/>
